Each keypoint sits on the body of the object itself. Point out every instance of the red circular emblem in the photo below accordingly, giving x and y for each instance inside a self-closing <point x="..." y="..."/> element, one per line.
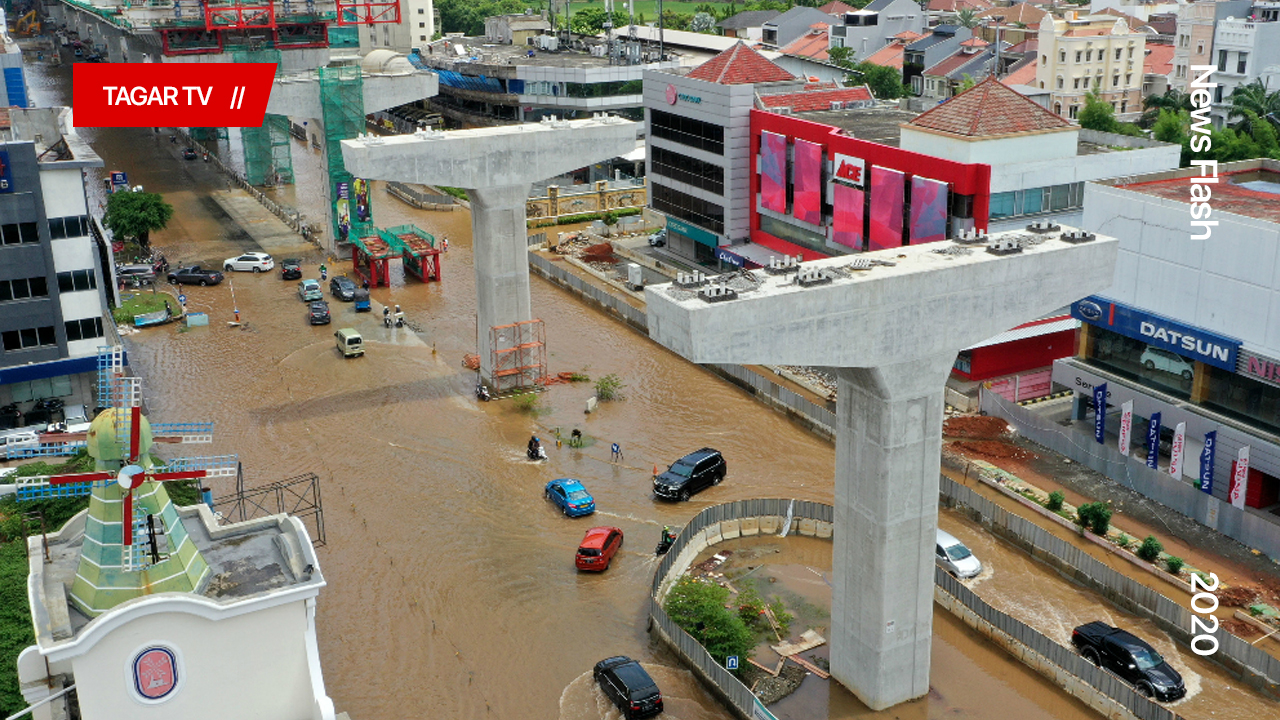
<point x="671" y="95"/>
<point x="155" y="673"/>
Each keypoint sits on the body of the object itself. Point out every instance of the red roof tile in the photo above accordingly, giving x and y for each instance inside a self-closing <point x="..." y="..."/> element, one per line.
<point x="816" y="100"/>
<point x="974" y="42"/>
<point x="1030" y="45"/>
<point x="1025" y="75"/>
<point x="1024" y="13"/>
<point x="951" y="63"/>
<point x="837" y="8"/>
<point x="1159" y="60"/>
<point x="889" y="56"/>
<point x="909" y="36"/>
<point x="812" y="44"/>
<point x="989" y="109"/>
<point x="739" y="65"/>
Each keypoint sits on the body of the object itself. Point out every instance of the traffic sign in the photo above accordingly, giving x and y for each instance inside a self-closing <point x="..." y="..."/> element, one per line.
<point x="731" y="662"/>
<point x="182" y="298"/>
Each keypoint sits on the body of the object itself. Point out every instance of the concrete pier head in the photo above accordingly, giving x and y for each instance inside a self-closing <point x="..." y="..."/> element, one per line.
<point x="496" y="166"/>
<point x="892" y="328"/>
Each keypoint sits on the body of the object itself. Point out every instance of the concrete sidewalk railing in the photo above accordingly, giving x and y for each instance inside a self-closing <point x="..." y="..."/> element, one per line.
<point x="816" y="418"/>
<point x="1253" y="665"/>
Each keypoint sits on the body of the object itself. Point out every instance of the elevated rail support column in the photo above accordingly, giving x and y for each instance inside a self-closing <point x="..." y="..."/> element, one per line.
<point x="502" y="267"/>
<point x="888" y="425"/>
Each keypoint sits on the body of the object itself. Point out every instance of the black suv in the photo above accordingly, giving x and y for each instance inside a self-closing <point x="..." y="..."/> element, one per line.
<point x="342" y="288"/>
<point x="628" y="686"/>
<point x="1131" y="658"/>
<point x="691" y="474"/>
<point x="318" y="313"/>
<point x="291" y="269"/>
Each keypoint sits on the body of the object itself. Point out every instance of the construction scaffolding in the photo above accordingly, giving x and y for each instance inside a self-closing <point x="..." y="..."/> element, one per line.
<point x="208" y="134"/>
<point x="370" y="258"/>
<point x="342" y="108"/>
<point x="519" y="356"/>
<point x="418" y="249"/>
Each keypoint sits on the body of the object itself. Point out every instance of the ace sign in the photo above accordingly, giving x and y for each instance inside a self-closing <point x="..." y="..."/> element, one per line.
<point x="851" y="170"/>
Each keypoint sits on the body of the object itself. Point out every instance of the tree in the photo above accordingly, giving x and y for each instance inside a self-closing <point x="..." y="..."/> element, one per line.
<point x="967" y="83"/>
<point x="467" y="16"/>
<point x="699" y="609"/>
<point x="1097" y="113"/>
<point x="967" y="18"/>
<point x="885" y="82"/>
<point x="1171" y="99"/>
<point x="136" y="215"/>
<point x="1253" y="102"/>
<point x="702" y="22"/>
<point x="590" y="20"/>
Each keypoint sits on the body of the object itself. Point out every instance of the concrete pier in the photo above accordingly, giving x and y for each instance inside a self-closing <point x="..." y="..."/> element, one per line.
<point x="496" y="166"/>
<point x="892" y="327"/>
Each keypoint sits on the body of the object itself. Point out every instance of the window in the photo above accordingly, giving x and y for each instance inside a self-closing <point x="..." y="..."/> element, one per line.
<point x="687" y="131"/>
<point x="28" y="338"/>
<point x="421" y="11"/>
<point x="1242" y="62"/>
<point x="1115" y="80"/>
<point x="1124" y="106"/>
<point x="422" y="24"/>
<point x="1128" y="79"/>
<point x="23" y="289"/>
<point x="1200" y="48"/>
<point x="1034" y="201"/>
<point x="1059" y="82"/>
<point x="1044" y="60"/>
<point x="1217" y="94"/>
<point x="1057" y="108"/>
<point x="1222" y="60"/>
<point x="1077" y="83"/>
<point x="15" y="233"/>
<point x="422" y="37"/>
<point x="77" y="280"/>
<point x="686" y="207"/>
<point x="85" y="329"/>
<point x="1130" y="53"/>
<point x="698" y="173"/>
<point x="1118" y="50"/>
<point x="1062" y="56"/>
<point x="68" y="227"/>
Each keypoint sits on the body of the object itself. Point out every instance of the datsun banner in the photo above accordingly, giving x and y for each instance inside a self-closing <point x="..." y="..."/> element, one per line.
<point x="1100" y="413"/>
<point x="1175" y="453"/>
<point x="1240" y="478"/>
<point x="1206" y="461"/>
<point x="1153" y="442"/>
<point x="1126" y="427"/>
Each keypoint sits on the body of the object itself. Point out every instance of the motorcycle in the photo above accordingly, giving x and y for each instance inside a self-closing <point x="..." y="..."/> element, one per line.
<point x="536" y="453"/>
<point x="10" y="416"/>
<point x="482" y="392"/>
<point x="668" y="538"/>
<point x="206" y="157"/>
<point x="399" y="319"/>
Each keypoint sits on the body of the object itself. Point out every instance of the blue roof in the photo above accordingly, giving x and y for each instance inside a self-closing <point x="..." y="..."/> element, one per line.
<point x="469" y="82"/>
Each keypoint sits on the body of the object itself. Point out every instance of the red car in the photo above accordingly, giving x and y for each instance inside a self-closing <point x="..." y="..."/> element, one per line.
<point x="598" y="548"/>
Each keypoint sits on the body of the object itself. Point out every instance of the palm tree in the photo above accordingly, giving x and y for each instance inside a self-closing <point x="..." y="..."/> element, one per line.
<point x="1255" y="98"/>
<point x="967" y="18"/>
<point x="1172" y="100"/>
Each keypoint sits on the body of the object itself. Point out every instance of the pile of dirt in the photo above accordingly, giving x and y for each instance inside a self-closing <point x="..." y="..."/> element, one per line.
<point x="1238" y="596"/>
<point x="983" y="427"/>
<point x="1240" y="628"/>
<point x="992" y="449"/>
<point x="772" y="689"/>
<point x="601" y="253"/>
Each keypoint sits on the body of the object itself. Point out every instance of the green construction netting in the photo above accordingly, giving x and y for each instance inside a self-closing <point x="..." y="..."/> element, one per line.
<point x="203" y="134"/>
<point x="281" y="153"/>
<point x="264" y="161"/>
<point x="342" y="107"/>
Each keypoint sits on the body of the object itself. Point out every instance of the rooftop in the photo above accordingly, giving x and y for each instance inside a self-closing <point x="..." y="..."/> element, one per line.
<point x="748" y="19"/>
<point x="1158" y="59"/>
<point x="958" y="5"/>
<point x="989" y="109"/>
<point x="836" y="8"/>
<point x="879" y="125"/>
<point x="246" y="560"/>
<point x="1250" y="188"/>
<point x="740" y="65"/>
<point x="812" y="44"/>
<point x="480" y="51"/>
<point x="817" y="99"/>
<point x="1024" y="13"/>
<point x="1022" y="72"/>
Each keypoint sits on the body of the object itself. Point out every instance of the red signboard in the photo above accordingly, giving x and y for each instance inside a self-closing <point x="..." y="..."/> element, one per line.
<point x="171" y="95"/>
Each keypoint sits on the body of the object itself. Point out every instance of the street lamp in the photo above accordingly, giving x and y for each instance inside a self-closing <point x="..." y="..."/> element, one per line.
<point x="996" y="19"/>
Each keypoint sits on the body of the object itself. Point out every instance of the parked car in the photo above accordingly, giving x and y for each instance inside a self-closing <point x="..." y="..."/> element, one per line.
<point x="691" y="474"/>
<point x="350" y="343"/>
<point x="1129" y="657"/>
<point x="76" y="419"/>
<point x="187" y="153"/>
<point x="194" y="275"/>
<point x="309" y="290"/>
<point x="597" y="548"/>
<point x="954" y="557"/>
<point x="659" y="238"/>
<point x="1157" y="359"/>
<point x="628" y="686"/>
<point x="249" y="262"/>
<point x="13" y="439"/>
<point x="291" y="269"/>
<point x="136" y="275"/>
<point x="342" y="288"/>
<point x="318" y="313"/>
<point x="572" y="498"/>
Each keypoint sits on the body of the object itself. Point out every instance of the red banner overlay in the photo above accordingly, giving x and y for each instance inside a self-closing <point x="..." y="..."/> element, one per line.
<point x="171" y="95"/>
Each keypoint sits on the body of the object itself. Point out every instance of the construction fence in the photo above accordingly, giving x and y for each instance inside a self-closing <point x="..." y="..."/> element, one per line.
<point x="1253" y="664"/>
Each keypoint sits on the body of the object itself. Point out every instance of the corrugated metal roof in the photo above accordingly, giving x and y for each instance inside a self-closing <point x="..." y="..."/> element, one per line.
<point x="1030" y="330"/>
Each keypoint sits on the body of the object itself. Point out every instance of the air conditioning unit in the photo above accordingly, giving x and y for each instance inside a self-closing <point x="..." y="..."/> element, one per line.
<point x="782" y="110"/>
<point x="837" y="105"/>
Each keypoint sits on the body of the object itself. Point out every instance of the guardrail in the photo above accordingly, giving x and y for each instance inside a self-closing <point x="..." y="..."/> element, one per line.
<point x="1173" y="617"/>
<point x="420" y="199"/>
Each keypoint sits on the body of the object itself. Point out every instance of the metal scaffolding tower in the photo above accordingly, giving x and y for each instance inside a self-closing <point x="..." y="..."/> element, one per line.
<point x="519" y="356"/>
<point x="342" y="107"/>
<point x="266" y="148"/>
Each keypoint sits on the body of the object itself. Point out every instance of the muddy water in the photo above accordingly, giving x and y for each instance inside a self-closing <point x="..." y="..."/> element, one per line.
<point x="1014" y="583"/>
<point x="451" y="590"/>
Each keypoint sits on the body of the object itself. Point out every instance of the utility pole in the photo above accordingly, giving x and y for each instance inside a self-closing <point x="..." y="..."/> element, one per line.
<point x="662" y="51"/>
<point x="996" y="70"/>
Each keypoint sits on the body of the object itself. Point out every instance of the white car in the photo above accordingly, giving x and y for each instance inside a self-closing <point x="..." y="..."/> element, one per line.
<point x="250" y="261"/>
<point x="954" y="557"/>
<point x="1157" y="359"/>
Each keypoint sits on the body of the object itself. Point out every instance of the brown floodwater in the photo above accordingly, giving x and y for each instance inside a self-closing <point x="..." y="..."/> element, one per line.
<point x="452" y="591"/>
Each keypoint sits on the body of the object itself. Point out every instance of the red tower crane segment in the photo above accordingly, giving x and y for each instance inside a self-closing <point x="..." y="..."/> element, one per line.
<point x="368" y="12"/>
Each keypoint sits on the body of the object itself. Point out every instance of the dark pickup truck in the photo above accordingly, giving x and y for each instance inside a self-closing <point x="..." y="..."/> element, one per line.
<point x="1130" y="658"/>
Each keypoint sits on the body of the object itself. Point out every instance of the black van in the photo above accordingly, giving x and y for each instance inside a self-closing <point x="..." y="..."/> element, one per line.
<point x="628" y="686"/>
<point x="691" y="474"/>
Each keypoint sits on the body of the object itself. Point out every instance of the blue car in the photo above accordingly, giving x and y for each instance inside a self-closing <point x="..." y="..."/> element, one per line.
<point x="573" y="499"/>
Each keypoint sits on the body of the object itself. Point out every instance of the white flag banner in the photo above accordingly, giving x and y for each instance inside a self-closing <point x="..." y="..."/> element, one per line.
<point x="1240" y="478"/>
<point x="1126" y="426"/>
<point x="1175" y="454"/>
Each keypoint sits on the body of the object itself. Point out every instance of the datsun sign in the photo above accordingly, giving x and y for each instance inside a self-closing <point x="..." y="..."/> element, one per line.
<point x="1160" y="332"/>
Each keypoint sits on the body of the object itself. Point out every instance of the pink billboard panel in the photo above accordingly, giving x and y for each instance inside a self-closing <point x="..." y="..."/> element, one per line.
<point x="846" y="226"/>
<point x="928" y="210"/>
<point x="886" y="208"/>
<point x="806" y="197"/>
<point x="773" y="171"/>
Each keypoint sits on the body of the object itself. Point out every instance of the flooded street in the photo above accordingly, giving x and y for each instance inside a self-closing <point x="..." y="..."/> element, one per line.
<point x="452" y="591"/>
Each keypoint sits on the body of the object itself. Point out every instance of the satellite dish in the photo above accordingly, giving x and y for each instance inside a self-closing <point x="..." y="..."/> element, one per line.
<point x="125" y="477"/>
